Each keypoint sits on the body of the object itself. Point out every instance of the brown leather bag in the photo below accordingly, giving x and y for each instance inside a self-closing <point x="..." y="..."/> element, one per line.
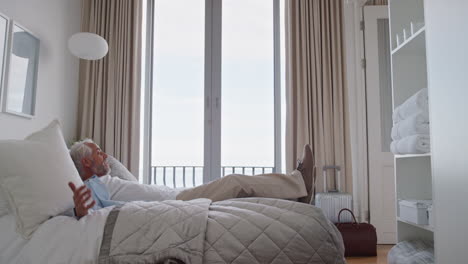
<point x="360" y="239"/>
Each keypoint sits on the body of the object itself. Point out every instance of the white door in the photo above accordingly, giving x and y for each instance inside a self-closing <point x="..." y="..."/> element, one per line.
<point x="379" y="123"/>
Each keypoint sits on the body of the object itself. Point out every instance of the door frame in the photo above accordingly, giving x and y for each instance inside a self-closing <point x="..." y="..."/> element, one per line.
<point x="355" y="81"/>
<point x="378" y="159"/>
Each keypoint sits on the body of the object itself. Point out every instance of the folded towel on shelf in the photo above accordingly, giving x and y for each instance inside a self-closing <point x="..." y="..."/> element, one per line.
<point x="416" y="144"/>
<point x="412" y="252"/>
<point x="417" y="124"/>
<point x="419" y="102"/>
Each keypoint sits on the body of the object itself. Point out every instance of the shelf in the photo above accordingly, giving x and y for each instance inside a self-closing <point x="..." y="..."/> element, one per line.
<point x="398" y="156"/>
<point x="416" y="43"/>
<point x="413" y="172"/>
<point x="425" y="227"/>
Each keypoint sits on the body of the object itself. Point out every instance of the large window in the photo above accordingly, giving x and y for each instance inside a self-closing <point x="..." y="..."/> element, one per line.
<point x="213" y="90"/>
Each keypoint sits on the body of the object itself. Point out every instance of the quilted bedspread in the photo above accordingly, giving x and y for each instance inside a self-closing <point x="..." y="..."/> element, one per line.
<point x="247" y="230"/>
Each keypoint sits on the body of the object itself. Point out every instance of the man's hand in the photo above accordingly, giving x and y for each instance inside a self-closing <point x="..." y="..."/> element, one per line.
<point x="82" y="198"/>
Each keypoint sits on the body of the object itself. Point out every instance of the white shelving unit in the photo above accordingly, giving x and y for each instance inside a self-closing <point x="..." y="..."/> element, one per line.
<point x="412" y="156"/>
<point x="426" y="227"/>
<point x="413" y="173"/>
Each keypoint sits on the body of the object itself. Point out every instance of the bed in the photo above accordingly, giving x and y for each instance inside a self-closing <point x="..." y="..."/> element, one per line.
<point x="248" y="230"/>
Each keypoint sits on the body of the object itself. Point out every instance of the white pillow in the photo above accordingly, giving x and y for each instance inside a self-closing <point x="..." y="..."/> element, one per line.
<point x="34" y="176"/>
<point x="119" y="170"/>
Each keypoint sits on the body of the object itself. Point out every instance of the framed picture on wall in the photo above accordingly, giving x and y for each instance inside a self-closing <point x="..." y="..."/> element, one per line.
<point x="21" y="72"/>
<point x="3" y="50"/>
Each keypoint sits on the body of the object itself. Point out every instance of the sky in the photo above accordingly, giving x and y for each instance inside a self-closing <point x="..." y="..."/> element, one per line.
<point x="247" y="130"/>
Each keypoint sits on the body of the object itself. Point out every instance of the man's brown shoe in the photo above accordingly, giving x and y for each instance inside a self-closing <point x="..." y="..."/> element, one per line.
<point x="307" y="168"/>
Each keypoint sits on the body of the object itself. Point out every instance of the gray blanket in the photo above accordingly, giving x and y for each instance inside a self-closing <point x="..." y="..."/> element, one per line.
<point x="248" y="230"/>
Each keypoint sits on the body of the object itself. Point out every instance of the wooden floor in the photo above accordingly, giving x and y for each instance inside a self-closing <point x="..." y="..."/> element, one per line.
<point x="382" y="251"/>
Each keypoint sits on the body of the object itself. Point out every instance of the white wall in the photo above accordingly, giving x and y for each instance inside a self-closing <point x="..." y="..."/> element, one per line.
<point x="53" y="21"/>
<point x="447" y="60"/>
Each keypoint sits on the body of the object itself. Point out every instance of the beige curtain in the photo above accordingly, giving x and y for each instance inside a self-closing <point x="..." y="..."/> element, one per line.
<point x="315" y="87"/>
<point x="109" y="95"/>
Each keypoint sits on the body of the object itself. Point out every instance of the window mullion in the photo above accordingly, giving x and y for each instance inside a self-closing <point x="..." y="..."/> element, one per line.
<point x="212" y="156"/>
<point x="208" y="117"/>
<point x="216" y="89"/>
<point x="148" y="94"/>
<point x="277" y="83"/>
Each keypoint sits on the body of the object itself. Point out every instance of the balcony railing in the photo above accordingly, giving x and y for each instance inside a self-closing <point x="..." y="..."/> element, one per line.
<point x="190" y="176"/>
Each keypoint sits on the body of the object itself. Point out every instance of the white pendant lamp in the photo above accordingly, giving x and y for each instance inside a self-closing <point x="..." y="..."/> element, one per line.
<point x="88" y="46"/>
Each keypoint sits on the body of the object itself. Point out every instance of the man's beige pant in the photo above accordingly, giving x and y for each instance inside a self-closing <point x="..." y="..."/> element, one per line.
<point x="273" y="185"/>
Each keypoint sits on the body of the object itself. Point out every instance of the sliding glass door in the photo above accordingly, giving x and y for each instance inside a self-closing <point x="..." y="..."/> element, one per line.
<point x="211" y="79"/>
<point x="177" y="120"/>
<point x="247" y="93"/>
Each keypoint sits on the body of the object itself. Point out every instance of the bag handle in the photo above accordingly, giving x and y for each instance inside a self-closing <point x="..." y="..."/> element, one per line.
<point x="351" y="212"/>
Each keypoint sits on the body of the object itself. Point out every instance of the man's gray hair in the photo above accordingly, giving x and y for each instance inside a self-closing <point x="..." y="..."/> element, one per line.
<point x="80" y="150"/>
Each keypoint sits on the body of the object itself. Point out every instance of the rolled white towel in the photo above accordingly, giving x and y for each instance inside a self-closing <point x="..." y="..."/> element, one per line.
<point x="419" y="102"/>
<point x="413" y="125"/>
<point x="416" y="144"/>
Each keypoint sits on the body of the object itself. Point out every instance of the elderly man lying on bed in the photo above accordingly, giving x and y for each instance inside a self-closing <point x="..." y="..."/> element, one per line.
<point x="101" y="190"/>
